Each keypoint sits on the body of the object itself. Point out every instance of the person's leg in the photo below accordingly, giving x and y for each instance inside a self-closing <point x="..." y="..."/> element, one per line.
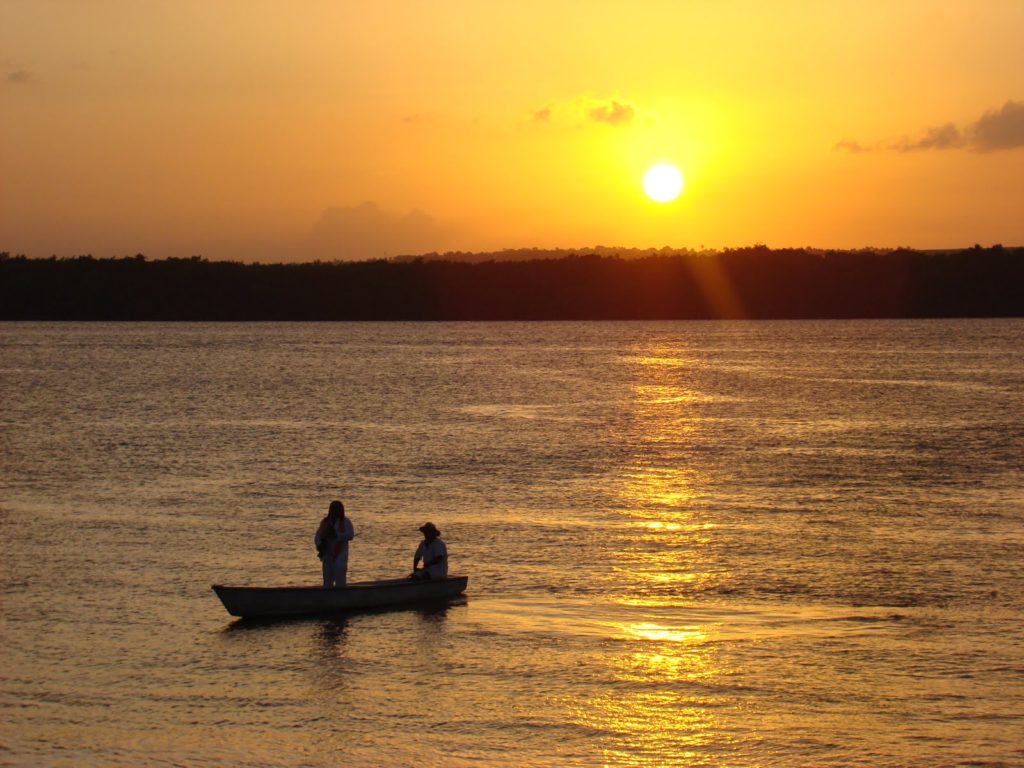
<point x="328" y="569"/>
<point x="341" y="569"/>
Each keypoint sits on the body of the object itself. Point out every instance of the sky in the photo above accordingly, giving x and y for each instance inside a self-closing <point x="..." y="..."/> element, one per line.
<point x="264" y="130"/>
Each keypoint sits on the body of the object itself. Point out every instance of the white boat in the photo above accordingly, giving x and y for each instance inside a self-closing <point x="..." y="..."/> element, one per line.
<point x="257" y="602"/>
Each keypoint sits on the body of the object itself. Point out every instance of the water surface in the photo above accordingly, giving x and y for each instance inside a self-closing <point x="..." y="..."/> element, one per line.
<point x="743" y="544"/>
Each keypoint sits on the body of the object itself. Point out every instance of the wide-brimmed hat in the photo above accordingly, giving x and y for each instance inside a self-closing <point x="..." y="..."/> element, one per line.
<point x="429" y="528"/>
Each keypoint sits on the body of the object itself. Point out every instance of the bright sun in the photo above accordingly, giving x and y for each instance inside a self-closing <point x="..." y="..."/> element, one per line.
<point x="663" y="182"/>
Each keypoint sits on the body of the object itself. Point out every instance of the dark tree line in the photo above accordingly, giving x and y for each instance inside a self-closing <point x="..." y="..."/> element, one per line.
<point x="756" y="282"/>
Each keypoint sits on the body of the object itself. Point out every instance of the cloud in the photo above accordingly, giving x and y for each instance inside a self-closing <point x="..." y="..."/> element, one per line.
<point x="613" y="113"/>
<point x="996" y="130"/>
<point x="853" y="147"/>
<point x="367" y="232"/>
<point x="947" y="136"/>
<point x="18" y="77"/>
<point x="585" y="109"/>
<point x="1003" y="129"/>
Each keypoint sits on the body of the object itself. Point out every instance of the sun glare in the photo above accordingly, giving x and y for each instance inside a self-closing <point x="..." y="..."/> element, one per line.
<point x="663" y="182"/>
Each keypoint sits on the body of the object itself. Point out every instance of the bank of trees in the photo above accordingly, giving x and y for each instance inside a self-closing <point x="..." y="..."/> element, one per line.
<point x="756" y="282"/>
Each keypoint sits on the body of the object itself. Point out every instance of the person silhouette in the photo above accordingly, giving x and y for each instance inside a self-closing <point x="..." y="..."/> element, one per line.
<point x="434" y="554"/>
<point x="332" y="537"/>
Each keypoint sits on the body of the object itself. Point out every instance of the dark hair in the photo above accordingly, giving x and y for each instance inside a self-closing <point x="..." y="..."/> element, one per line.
<point x="336" y="508"/>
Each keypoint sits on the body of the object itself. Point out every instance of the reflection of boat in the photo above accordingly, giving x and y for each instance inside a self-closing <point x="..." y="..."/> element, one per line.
<point x="252" y="602"/>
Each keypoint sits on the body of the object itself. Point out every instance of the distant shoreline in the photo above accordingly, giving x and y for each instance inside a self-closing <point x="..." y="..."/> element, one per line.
<point x="744" y="283"/>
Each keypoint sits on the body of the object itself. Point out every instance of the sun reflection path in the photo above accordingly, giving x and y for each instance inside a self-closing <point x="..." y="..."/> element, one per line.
<point x="660" y="707"/>
<point x="664" y="551"/>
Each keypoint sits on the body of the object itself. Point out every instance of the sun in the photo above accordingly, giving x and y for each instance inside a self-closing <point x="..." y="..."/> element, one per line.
<point x="663" y="182"/>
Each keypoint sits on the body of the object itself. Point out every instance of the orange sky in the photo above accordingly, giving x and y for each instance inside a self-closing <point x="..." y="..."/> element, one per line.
<point x="264" y="130"/>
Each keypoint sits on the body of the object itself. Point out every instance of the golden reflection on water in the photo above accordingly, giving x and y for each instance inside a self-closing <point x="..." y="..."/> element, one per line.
<point x="650" y="631"/>
<point x="666" y="713"/>
<point x="664" y="554"/>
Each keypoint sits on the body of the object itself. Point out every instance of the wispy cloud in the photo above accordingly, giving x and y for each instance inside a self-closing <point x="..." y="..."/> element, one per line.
<point x="613" y="113"/>
<point x="996" y="130"/>
<point x="947" y="136"/>
<point x="18" y="77"/>
<point x="853" y="147"/>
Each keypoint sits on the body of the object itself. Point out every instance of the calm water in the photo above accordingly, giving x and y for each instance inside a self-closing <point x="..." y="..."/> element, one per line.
<point x="722" y="544"/>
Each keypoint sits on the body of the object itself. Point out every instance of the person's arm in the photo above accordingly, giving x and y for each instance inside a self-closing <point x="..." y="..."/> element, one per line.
<point x="348" y="532"/>
<point x="417" y="557"/>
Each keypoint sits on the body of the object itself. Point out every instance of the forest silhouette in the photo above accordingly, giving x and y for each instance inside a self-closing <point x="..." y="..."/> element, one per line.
<point x="754" y="283"/>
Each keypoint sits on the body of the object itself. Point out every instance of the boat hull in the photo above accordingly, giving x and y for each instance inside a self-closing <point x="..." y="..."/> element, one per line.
<point x="262" y="602"/>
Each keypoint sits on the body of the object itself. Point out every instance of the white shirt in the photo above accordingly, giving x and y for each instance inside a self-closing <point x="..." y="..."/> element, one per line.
<point x="427" y="552"/>
<point x="343" y="534"/>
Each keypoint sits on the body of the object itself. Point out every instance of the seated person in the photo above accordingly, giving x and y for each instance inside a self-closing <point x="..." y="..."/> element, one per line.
<point x="434" y="554"/>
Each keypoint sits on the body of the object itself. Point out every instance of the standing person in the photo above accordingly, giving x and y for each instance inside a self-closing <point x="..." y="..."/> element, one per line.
<point x="434" y="554"/>
<point x="331" y="539"/>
